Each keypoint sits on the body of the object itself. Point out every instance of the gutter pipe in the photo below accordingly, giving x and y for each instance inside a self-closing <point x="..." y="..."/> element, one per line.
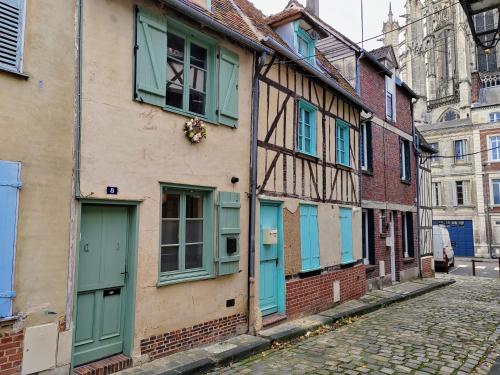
<point x="416" y="143"/>
<point x="315" y="72"/>
<point x="203" y="18"/>
<point x="259" y="64"/>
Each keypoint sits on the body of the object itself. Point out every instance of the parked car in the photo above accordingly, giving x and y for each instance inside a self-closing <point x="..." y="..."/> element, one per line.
<point x="441" y="245"/>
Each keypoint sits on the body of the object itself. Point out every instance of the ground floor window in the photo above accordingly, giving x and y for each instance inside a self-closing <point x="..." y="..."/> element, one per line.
<point x="368" y="239"/>
<point x="186" y="232"/>
<point x="496" y="191"/>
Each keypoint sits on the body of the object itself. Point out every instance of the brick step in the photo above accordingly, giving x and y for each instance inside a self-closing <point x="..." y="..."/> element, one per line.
<point x="105" y="366"/>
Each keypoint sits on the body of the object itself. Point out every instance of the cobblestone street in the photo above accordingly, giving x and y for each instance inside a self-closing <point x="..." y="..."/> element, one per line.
<point x="453" y="330"/>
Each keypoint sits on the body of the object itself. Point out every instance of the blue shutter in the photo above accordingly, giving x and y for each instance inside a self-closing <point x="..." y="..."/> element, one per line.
<point x="151" y="58"/>
<point x="228" y="261"/>
<point x="346" y="235"/>
<point x="309" y="241"/>
<point x="228" y="87"/>
<point x="9" y="189"/>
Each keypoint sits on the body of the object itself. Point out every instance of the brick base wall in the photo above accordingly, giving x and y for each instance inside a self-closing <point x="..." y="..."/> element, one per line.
<point x="190" y="337"/>
<point x="427" y="268"/>
<point x="314" y="294"/>
<point x="11" y="352"/>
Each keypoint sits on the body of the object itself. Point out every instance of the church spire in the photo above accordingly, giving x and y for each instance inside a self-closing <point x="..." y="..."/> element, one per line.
<point x="390" y="11"/>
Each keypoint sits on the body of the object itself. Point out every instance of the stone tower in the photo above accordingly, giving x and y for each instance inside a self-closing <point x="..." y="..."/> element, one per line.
<point x="391" y="32"/>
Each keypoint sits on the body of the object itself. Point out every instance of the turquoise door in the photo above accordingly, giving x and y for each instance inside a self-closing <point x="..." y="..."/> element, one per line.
<point x="346" y="235"/>
<point x="269" y="282"/>
<point x="101" y="288"/>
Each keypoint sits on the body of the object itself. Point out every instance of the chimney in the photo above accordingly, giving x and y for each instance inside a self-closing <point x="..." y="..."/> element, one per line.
<point x="313" y="7"/>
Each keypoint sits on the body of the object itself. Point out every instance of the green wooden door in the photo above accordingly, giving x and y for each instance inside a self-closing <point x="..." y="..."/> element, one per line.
<point x="101" y="289"/>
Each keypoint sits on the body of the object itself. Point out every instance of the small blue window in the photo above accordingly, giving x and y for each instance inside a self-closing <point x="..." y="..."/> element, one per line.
<point x="343" y="143"/>
<point x="309" y="237"/>
<point x="305" y="44"/>
<point x="306" y="130"/>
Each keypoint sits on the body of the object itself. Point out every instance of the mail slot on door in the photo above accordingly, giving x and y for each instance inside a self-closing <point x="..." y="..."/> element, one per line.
<point x="270" y="236"/>
<point x="112" y="292"/>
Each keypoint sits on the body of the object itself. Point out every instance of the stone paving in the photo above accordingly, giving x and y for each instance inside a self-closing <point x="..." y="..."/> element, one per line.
<point x="452" y="330"/>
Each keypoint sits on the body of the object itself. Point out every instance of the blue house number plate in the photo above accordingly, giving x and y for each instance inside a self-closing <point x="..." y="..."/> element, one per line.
<point x="111" y="190"/>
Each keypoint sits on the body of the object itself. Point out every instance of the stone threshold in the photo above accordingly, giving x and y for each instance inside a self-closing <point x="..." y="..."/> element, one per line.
<point x="104" y="366"/>
<point x="237" y="348"/>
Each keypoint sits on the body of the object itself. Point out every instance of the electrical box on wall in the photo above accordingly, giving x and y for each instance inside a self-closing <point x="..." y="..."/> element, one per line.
<point x="270" y="236"/>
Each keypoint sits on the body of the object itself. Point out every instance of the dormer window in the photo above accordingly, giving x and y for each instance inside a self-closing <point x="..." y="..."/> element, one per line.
<point x="305" y="44"/>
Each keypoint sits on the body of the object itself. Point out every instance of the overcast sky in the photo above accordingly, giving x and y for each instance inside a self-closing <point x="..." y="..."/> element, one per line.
<point x="345" y="15"/>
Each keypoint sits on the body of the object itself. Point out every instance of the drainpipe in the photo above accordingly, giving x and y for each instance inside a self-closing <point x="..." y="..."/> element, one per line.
<point x="75" y="183"/>
<point x="259" y="64"/>
<point x="416" y="145"/>
<point x="358" y="73"/>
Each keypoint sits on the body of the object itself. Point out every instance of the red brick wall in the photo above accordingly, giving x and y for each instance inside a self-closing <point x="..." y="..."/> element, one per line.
<point x="373" y="88"/>
<point x="314" y="294"/>
<point x="427" y="270"/>
<point x="190" y="337"/>
<point x="11" y="352"/>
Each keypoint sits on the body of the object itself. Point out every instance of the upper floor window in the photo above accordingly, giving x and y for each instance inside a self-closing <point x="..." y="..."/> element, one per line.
<point x="435" y="157"/>
<point x="460" y="147"/>
<point x="405" y="163"/>
<point x="305" y="44"/>
<point x="495" y="148"/>
<point x="390" y="99"/>
<point x="183" y="70"/>
<point x="306" y="130"/>
<point x="495" y="184"/>
<point x="366" y="146"/>
<point x="461" y="192"/>
<point x="436" y="193"/>
<point x="11" y="34"/>
<point x="342" y="144"/>
<point x="486" y="58"/>
<point x="494" y="116"/>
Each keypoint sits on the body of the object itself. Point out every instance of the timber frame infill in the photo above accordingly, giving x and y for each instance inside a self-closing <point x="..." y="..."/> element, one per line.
<point x="283" y="170"/>
<point x="426" y="204"/>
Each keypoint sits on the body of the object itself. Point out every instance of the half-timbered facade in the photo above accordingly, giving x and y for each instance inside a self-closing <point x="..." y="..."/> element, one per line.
<point x="308" y="208"/>
<point x="427" y="193"/>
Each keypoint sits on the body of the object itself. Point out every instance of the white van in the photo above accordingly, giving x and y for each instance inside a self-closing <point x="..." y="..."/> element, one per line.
<point x="441" y="244"/>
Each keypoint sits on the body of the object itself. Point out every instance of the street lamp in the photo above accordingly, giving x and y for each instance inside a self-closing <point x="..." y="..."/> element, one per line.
<point x="483" y="17"/>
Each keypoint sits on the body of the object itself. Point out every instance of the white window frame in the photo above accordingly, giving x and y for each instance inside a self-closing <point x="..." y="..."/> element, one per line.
<point x="21" y="34"/>
<point x="390" y="88"/>
<point x="494" y="117"/>
<point x="406" y="175"/>
<point x="495" y="179"/>
<point x="435" y="159"/>
<point x="364" y="147"/>
<point x="463" y="155"/>
<point x="465" y="192"/>
<point x="494" y="154"/>
<point x="404" y="234"/>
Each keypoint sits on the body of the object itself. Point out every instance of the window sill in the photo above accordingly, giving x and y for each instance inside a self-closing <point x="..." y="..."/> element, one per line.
<point x="10" y="319"/>
<point x="348" y="264"/>
<point x="370" y="267"/>
<point x="406" y="182"/>
<point x="367" y="172"/>
<point x="408" y="260"/>
<point x="462" y="164"/>
<point x="15" y="74"/>
<point x="306" y="156"/>
<point x="344" y="167"/>
<point x="183" y="278"/>
<point x="309" y="273"/>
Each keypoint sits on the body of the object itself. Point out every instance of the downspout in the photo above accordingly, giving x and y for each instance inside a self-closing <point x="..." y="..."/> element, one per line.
<point x="75" y="183"/>
<point x="259" y="64"/>
<point x="358" y="73"/>
<point x="416" y="145"/>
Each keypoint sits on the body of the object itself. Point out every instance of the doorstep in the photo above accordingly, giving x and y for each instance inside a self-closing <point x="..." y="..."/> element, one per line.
<point x="243" y="346"/>
<point x="108" y="365"/>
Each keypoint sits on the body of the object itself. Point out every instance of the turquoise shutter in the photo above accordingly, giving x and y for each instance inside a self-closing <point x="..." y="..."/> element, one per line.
<point x="309" y="240"/>
<point x="228" y="88"/>
<point x="9" y="190"/>
<point x="228" y="261"/>
<point x="151" y="58"/>
<point x="346" y="235"/>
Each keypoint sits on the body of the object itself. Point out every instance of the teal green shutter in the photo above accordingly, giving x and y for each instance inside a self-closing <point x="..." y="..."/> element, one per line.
<point x="309" y="241"/>
<point x="228" y="88"/>
<point x="151" y="58"/>
<point x="228" y="261"/>
<point x="9" y="197"/>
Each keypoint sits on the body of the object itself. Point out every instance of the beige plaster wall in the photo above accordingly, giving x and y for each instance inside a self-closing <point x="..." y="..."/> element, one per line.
<point x="36" y="127"/>
<point x="137" y="146"/>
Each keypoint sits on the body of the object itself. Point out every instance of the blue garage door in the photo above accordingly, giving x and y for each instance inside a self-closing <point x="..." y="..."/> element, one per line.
<point x="461" y="236"/>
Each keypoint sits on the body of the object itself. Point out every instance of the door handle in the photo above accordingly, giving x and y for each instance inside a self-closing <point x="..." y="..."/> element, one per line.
<point x="276" y="262"/>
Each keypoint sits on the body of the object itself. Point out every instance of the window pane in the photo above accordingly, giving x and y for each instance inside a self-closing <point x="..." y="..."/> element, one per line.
<point x="170" y="206"/>
<point x="307" y="143"/>
<point x="194" y="256"/>
<point x="194" y="207"/>
<point x="196" y="102"/>
<point x="175" y="72"/>
<point x="307" y="117"/>
<point x="198" y="79"/>
<point x="198" y="56"/>
<point x="194" y="231"/>
<point x="174" y="95"/>
<point x="303" y="46"/>
<point x="496" y="191"/>
<point x="170" y="232"/>
<point x="169" y="259"/>
<point x="175" y="46"/>
<point x="307" y="131"/>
